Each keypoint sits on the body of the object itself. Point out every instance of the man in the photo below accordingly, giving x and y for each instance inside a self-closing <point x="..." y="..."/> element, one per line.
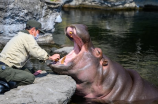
<point x="18" y="50"/>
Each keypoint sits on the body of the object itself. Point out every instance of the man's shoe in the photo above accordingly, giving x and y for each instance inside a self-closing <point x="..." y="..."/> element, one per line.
<point x="4" y="87"/>
<point x="12" y="84"/>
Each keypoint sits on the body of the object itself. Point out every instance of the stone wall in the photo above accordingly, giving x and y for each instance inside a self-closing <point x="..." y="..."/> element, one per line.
<point x="15" y="13"/>
<point x="47" y="89"/>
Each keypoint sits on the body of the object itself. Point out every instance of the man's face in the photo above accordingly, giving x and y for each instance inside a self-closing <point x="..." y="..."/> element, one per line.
<point x="35" y="32"/>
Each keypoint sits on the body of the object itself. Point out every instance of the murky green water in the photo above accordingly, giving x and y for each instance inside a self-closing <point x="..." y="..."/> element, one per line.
<point x="128" y="37"/>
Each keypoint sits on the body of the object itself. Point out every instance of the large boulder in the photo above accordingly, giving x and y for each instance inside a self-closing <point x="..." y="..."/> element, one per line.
<point x="46" y="39"/>
<point x="47" y="89"/>
<point x="62" y="51"/>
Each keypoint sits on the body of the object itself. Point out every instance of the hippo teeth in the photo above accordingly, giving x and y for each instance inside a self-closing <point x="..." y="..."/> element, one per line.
<point x="62" y="61"/>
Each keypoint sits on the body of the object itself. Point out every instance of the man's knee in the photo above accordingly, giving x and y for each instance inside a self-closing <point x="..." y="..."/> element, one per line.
<point x="30" y="78"/>
<point x="23" y="77"/>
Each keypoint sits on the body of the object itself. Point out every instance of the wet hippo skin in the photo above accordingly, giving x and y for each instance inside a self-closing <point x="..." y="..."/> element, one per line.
<point x="97" y="77"/>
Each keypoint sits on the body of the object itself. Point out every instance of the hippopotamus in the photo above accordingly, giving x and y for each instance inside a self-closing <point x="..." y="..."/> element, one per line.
<point x="97" y="77"/>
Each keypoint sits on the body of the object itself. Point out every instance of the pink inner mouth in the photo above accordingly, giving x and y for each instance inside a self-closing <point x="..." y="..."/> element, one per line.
<point x="71" y="33"/>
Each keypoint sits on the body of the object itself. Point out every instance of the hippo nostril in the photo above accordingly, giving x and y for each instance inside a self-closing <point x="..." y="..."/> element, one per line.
<point x="105" y="63"/>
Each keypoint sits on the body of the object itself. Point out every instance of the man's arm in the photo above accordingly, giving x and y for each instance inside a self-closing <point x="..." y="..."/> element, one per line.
<point x="36" y="51"/>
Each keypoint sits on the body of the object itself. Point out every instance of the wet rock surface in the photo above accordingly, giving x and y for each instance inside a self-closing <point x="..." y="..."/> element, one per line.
<point x="62" y="51"/>
<point x="104" y="4"/>
<point x="46" y="39"/>
<point x="47" y="89"/>
<point x="111" y="4"/>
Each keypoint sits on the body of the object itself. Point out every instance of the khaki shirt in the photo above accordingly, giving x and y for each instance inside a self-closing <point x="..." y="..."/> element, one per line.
<point x="18" y="50"/>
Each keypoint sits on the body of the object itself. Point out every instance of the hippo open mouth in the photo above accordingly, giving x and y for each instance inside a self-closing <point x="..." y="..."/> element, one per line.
<point x="71" y="33"/>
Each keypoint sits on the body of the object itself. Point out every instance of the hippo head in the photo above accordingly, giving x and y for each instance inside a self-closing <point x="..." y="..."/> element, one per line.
<point x="84" y="62"/>
<point x="83" y="49"/>
<point x="96" y="76"/>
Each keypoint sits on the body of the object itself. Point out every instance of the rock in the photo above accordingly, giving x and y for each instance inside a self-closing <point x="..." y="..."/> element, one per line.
<point x="47" y="89"/>
<point x="58" y="19"/>
<point x="130" y="5"/>
<point x="1" y="46"/>
<point x="4" y="40"/>
<point x="104" y="4"/>
<point x="53" y="1"/>
<point x="63" y="51"/>
<point x="112" y="4"/>
<point x="53" y="49"/>
<point x="46" y="38"/>
<point x="17" y="12"/>
<point x="53" y="4"/>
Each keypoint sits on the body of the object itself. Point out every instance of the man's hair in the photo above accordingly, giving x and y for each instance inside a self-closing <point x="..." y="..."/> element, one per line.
<point x="28" y="27"/>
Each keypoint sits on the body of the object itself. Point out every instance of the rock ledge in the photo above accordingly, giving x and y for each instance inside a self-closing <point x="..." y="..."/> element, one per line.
<point x="47" y="89"/>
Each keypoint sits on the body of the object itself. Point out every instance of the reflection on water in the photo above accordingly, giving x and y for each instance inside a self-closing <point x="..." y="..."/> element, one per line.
<point x="128" y="37"/>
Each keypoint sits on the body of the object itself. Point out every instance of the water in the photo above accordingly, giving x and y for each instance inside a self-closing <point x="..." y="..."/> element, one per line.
<point x="128" y="37"/>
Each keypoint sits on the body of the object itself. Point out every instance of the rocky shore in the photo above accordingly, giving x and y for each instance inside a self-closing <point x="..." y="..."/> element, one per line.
<point x="113" y="4"/>
<point x="47" y="89"/>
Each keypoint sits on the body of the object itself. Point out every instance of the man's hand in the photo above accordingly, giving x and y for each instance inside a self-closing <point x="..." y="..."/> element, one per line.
<point x="54" y="57"/>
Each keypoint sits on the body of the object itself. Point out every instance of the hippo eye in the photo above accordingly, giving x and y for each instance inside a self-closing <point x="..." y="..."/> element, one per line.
<point x="105" y="63"/>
